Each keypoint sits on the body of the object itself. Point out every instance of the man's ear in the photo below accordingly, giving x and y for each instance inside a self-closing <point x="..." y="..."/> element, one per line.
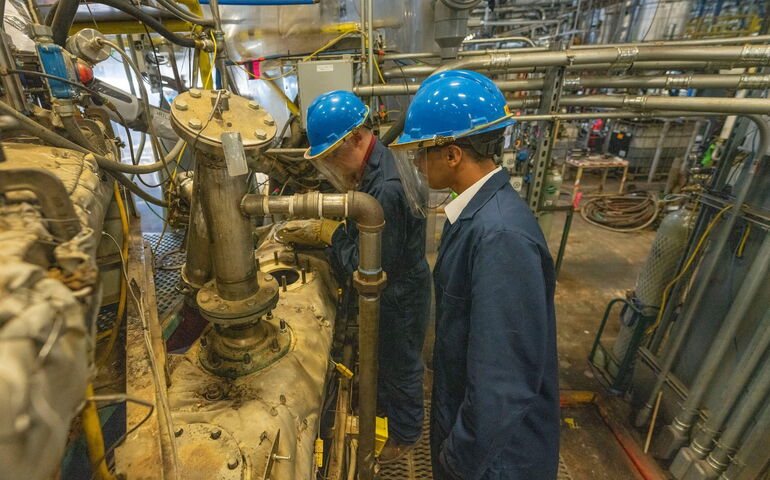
<point x="454" y="155"/>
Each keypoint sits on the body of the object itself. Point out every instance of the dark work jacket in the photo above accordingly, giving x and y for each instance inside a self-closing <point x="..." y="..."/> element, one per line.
<point x="403" y="238"/>
<point x="495" y="390"/>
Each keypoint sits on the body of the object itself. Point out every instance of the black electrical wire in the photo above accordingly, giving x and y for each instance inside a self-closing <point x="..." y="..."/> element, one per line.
<point x="138" y="14"/>
<point x="128" y="432"/>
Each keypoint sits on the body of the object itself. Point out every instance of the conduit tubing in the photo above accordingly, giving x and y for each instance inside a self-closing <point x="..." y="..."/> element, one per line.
<point x="704" y="439"/>
<point x="676" y="434"/>
<point x="753" y="454"/>
<point x="757" y="82"/>
<point x="649" y="102"/>
<point x="707" y="268"/>
<point x="752" y="401"/>
<point x="369" y="280"/>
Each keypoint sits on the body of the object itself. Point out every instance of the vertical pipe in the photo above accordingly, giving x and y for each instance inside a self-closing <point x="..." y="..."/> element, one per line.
<point x="197" y="268"/>
<point x="370" y="36"/>
<point x="369" y="313"/>
<point x="707" y="270"/>
<point x="658" y="150"/>
<point x="232" y="250"/>
<point x="675" y="435"/>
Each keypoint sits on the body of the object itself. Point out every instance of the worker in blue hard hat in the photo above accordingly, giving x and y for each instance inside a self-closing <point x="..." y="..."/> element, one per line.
<point x="347" y="153"/>
<point x="495" y="404"/>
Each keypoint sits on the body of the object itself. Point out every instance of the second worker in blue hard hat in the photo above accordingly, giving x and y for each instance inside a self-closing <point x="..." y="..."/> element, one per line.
<point x="344" y="149"/>
<point x="495" y="405"/>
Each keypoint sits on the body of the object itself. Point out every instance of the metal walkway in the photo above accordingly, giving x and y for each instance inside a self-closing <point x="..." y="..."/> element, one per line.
<point x="416" y="464"/>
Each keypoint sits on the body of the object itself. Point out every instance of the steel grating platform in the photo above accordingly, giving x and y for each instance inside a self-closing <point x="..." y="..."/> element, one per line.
<point x="416" y="465"/>
<point x="169" y="257"/>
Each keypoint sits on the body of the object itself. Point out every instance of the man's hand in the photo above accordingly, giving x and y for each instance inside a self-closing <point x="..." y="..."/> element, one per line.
<point x="313" y="233"/>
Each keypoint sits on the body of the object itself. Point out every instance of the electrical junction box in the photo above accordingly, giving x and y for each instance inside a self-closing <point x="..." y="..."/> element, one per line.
<point x="321" y="76"/>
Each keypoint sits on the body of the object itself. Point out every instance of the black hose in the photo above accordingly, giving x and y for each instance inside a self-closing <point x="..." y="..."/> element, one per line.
<point x="394" y="131"/>
<point x="134" y="188"/>
<point x="62" y="16"/>
<point x="135" y="12"/>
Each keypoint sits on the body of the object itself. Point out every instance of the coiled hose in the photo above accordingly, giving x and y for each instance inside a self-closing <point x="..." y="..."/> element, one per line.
<point x="621" y="213"/>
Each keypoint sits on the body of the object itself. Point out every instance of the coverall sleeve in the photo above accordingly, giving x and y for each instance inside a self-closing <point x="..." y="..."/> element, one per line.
<point x="506" y="350"/>
<point x="344" y="247"/>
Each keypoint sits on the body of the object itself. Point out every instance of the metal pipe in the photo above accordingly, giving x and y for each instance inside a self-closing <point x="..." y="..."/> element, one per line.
<point x="658" y="150"/>
<point x="675" y="435"/>
<point x="707" y="269"/>
<point x="411" y="71"/>
<point x="369" y="280"/>
<point x="526" y="40"/>
<point x="577" y="82"/>
<point x="370" y="55"/>
<point x="703" y="441"/>
<point x="197" y="268"/>
<point x="719" y="459"/>
<point x="753" y="456"/>
<point x="624" y="56"/>
<point x="263" y="2"/>
<point x="232" y="246"/>
<point x="650" y="102"/>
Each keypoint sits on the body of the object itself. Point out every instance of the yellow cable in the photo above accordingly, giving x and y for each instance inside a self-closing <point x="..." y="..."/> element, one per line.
<point x="92" y="430"/>
<point x="123" y="287"/>
<point x="209" y="83"/>
<point x="743" y="240"/>
<point x="687" y="266"/>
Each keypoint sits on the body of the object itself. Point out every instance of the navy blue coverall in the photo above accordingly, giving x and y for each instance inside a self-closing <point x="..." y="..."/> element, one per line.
<point x="404" y="304"/>
<point x="495" y="405"/>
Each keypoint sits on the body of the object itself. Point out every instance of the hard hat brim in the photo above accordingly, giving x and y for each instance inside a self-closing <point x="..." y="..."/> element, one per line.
<point x="320" y="150"/>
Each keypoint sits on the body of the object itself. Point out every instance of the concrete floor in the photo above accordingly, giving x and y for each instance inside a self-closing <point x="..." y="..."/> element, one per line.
<point x="599" y="265"/>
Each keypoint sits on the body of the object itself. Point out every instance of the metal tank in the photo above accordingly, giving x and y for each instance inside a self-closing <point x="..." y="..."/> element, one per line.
<point x="658" y="270"/>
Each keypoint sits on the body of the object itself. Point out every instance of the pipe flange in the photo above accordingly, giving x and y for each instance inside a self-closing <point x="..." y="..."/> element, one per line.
<point x="369" y="284"/>
<point x="228" y="313"/>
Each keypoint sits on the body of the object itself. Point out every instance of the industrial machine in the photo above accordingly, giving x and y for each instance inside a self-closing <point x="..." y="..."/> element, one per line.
<point x="256" y="359"/>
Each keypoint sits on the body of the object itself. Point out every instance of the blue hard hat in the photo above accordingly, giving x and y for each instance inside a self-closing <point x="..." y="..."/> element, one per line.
<point x="453" y="104"/>
<point x="331" y="118"/>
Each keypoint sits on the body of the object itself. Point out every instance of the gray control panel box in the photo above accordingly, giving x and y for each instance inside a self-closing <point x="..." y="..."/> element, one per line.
<point x="320" y="76"/>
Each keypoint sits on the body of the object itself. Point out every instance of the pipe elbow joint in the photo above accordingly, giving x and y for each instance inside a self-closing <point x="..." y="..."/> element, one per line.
<point x="366" y="211"/>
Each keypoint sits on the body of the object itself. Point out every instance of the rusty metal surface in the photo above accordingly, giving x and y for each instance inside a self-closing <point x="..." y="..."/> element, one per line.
<point x="148" y="453"/>
<point x="208" y="452"/>
<point x="287" y="395"/>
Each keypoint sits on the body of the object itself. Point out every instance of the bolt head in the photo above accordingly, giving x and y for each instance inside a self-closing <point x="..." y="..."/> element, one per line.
<point x="194" y="93"/>
<point x="253" y="105"/>
<point x="178" y="432"/>
<point x="216" y="434"/>
<point x="181" y="105"/>
<point x="195" y="123"/>
<point x="260" y="134"/>
<point x="269" y="120"/>
<point x="233" y="463"/>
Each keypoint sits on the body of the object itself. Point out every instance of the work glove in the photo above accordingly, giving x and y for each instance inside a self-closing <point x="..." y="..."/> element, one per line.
<point x="313" y="233"/>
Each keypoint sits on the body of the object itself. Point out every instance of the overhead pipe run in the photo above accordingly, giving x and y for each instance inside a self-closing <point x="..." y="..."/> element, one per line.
<point x="745" y="81"/>
<point x="369" y="280"/>
<point x="648" y="102"/>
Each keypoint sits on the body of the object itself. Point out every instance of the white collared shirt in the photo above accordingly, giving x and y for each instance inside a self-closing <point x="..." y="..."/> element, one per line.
<point x="456" y="206"/>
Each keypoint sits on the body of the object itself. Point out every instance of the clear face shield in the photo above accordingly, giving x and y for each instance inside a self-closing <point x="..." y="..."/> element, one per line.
<point x="340" y="169"/>
<point x="412" y="166"/>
